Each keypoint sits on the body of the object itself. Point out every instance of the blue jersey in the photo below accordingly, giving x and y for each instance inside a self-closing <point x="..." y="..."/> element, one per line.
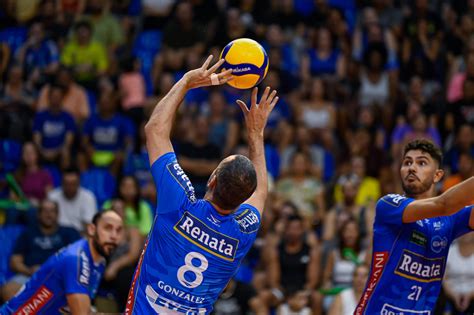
<point x="192" y="251"/>
<point x="408" y="260"/>
<point x="69" y="271"/>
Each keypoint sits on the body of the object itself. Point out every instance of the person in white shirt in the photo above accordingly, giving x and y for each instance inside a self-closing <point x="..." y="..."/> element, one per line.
<point x="458" y="281"/>
<point x="77" y="205"/>
<point x="345" y="302"/>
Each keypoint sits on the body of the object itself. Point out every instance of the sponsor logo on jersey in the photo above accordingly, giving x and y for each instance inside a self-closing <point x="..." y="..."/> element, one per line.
<point x="183" y="180"/>
<point x="85" y="273"/>
<point x="201" y="235"/>
<point x="437" y="225"/>
<point x="394" y="199"/>
<point x="213" y="220"/>
<point x="163" y="305"/>
<point x="418" y="238"/>
<point x="36" y="302"/>
<point x="379" y="261"/>
<point x="419" y="268"/>
<point x="438" y="243"/>
<point x="248" y="221"/>
<point x="388" y="309"/>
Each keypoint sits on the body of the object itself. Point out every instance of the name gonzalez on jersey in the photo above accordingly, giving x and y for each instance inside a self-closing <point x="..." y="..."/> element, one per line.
<point x="201" y="235"/>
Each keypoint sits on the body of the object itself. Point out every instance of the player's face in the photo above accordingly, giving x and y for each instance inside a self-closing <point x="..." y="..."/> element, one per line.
<point x="419" y="172"/>
<point x="108" y="233"/>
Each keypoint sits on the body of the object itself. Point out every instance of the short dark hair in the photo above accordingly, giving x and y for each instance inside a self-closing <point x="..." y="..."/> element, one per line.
<point x="295" y="217"/>
<point x="41" y="205"/>
<point x="236" y="182"/>
<point x="97" y="216"/>
<point x="71" y="170"/>
<point x="425" y="146"/>
<point x="83" y="23"/>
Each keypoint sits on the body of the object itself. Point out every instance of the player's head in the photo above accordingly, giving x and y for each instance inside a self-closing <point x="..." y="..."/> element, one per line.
<point x="421" y="167"/>
<point x="232" y="182"/>
<point x="106" y="232"/>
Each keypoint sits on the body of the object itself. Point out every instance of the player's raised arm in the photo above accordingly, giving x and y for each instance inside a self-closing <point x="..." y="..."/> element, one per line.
<point x="158" y="127"/>
<point x="256" y="119"/>
<point x="448" y="203"/>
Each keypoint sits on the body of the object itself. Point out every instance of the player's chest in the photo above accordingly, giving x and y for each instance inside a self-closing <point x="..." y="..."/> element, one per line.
<point x="430" y="237"/>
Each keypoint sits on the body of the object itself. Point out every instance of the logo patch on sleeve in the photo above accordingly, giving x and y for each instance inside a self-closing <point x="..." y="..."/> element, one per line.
<point x="248" y="221"/>
<point x="394" y="199"/>
<point x="201" y="235"/>
<point x="182" y="179"/>
<point x="419" y="268"/>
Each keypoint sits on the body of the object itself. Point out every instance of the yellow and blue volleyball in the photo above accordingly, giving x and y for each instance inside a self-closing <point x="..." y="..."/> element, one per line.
<point x="248" y="60"/>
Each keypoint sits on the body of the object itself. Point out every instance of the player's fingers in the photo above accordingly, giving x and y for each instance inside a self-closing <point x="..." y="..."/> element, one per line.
<point x="253" y="98"/>
<point x="206" y="63"/>
<point x="273" y="103"/>
<point x="264" y="97"/>
<point x="270" y="98"/>
<point x="215" y="67"/>
<point x="226" y="73"/>
<point x="243" y="107"/>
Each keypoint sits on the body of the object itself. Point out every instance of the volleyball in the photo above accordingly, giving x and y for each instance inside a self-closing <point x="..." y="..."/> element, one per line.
<point x="248" y="60"/>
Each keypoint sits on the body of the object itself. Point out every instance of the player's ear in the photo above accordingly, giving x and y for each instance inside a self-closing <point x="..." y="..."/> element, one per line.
<point x="211" y="183"/>
<point x="91" y="228"/>
<point x="438" y="175"/>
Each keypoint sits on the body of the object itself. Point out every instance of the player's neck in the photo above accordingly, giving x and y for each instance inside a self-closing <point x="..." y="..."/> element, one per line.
<point x="219" y="210"/>
<point x="424" y="195"/>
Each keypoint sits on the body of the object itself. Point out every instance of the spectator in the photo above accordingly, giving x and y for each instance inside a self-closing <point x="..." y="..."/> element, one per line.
<point x="133" y="91"/>
<point x="302" y="189"/>
<point x="317" y="113"/>
<point x="369" y="187"/>
<point x="39" y="56"/>
<point x="223" y="130"/>
<point x="4" y="59"/>
<point x="464" y="143"/>
<point x="15" y="91"/>
<point x="456" y="85"/>
<point x="343" y="259"/>
<point x="293" y="266"/>
<point x="458" y="281"/>
<point x="199" y="157"/>
<point x="54" y="129"/>
<point x="322" y="59"/>
<point x="345" y="302"/>
<point x="465" y="170"/>
<point x="106" y="28"/>
<point x="234" y="299"/>
<point x="35" y="181"/>
<point x="35" y="245"/>
<point x="77" y="205"/>
<point x="138" y="213"/>
<point x="347" y="210"/>
<point x="463" y="110"/>
<point x="107" y="134"/>
<point x="86" y="57"/>
<point x="75" y="100"/>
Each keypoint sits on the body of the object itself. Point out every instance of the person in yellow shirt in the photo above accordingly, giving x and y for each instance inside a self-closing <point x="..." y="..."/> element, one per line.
<point x="86" y="57"/>
<point x="369" y="187"/>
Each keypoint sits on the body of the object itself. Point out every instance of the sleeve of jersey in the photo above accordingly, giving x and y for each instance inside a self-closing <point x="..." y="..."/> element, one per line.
<point x="460" y="221"/>
<point x="248" y="218"/>
<point x="389" y="210"/>
<point x="173" y="186"/>
<point x="76" y="280"/>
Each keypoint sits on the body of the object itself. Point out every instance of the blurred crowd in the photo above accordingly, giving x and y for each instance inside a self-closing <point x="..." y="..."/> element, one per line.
<point x="356" y="79"/>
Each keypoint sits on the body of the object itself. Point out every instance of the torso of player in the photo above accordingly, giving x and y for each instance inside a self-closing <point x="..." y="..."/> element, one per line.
<point x="71" y="270"/>
<point x="408" y="267"/>
<point x="192" y="254"/>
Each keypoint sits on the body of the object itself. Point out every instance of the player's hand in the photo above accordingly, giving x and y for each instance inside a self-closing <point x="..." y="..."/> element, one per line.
<point x="205" y="77"/>
<point x="111" y="272"/>
<point x="256" y="117"/>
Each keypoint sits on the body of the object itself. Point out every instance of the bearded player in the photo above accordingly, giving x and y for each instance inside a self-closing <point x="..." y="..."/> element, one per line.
<point x="412" y="235"/>
<point x="67" y="282"/>
<point x="196" y="245"/>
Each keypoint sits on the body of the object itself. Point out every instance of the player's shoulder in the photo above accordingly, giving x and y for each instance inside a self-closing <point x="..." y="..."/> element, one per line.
<point x="392" y="200"/>
<point x="248" y="218"/>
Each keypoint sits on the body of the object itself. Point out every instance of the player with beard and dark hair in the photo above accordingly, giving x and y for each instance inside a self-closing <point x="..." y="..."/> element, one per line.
<point x="412" y="235"/>
<point x="67" y="282"/>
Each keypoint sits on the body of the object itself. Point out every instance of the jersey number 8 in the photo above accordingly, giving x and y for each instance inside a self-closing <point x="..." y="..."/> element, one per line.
<point x="189" y="267"/>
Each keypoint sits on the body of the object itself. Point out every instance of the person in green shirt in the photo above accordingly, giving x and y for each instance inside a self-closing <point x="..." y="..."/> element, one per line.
<point x="87" y="58"/>
<point x="138" y="212"/>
